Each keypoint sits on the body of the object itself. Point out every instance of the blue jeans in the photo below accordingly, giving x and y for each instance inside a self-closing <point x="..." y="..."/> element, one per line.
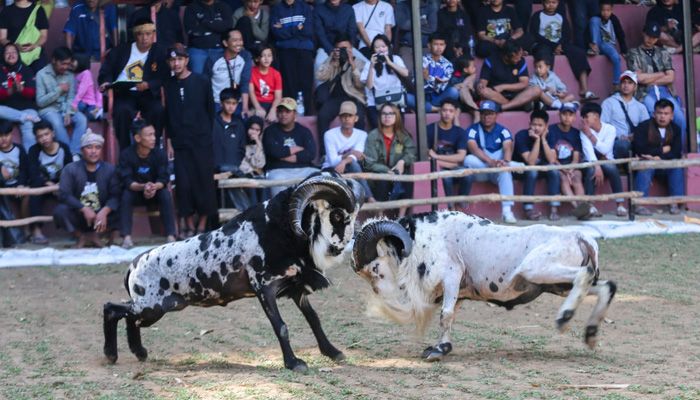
<point x="79" y="127"/>
<point x="606" y="48"/>
<point x="199" y="58"/>
<point x="674" y="179"/>
<point x="610" y="172"/>
<point x="621" y="148"/>
<point x="504" y="180"/>
<point x="678" y="116"/>
<point x="25" y="126"/>
<point x="530" y="180"/>
<point x="581" y="11"/>
<point x="354" y="166"/>
<point x="433" y="99"/>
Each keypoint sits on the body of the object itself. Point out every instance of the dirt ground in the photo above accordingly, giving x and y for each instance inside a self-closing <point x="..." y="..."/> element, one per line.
<point x="51" y="341"/>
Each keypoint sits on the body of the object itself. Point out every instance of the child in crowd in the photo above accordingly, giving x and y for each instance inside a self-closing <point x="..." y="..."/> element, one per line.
<point x="253" y="163"/>
<point x="606" y="33"/>
<point x="13" y="173"/>
<point x="554" y="92"/>
<point x="265" y="85"/>
<point x="88" y="98"/>
<point x="464" y="80"/>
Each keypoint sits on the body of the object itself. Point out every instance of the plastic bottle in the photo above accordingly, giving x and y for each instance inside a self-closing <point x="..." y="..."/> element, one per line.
<point x="300" y="104"/>
<point x="471" y="46"/>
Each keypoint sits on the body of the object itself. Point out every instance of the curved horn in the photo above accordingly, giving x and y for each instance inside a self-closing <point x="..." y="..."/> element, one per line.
<point x="331" y="189"/>
<point x="365" y="248"/>
<point x="358" y="191"/>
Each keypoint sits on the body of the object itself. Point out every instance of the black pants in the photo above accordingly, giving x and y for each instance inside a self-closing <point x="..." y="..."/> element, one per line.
<point x="162" y="201"/>
<point x="71" y="220"/>
<point x="297" y="70"/>
<point x="382" y="190"/>
<point x="194" y="182"/>
<point x="578" y="60"/>
<point x="329" y="110"/>
<point x="8" y="236"/>
<point x="126" y="105"/>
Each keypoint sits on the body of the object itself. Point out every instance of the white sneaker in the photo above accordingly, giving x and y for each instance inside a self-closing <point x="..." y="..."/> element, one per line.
<point x="509" y="218"/>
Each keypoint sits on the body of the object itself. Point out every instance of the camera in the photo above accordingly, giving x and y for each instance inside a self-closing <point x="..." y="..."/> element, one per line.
<point x="381" y="58"/>
<point x="342" y="56"/>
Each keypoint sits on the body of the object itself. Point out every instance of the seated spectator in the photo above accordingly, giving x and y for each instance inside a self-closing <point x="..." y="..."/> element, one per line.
<point x="447" y="144"/>
<point x="535" y="146"/>
<point x="55" y="90"/>
<point x="232" y="69"/>
<point x="464" y="80"/>
<point x="88" y="195"/>
<point x="567" y="146"/>
<point x="490" y="145"/>
<point x="333" y="18"/>
<point x="17" y="93"/>
<point x="289" y="147"/>
<point x="293" y="36"/>
<point x="83" y="32"/>
<point x="13" y="173"/>
<point x="16" y="27"/>
<point x="655" y="75"/>
<point x="554" y="92"/>
<point x="373" y="17"/>
<point x="606" y="34"/>
<point x="597" y="141"/>
<point x="427" y="9"/>
<point x="135" y="71"/>
<point x="500" y="83"/>
<point x="552" y="37"/>
<point x="265" y="87"/>
<point x="496" y="25"/>
<point x="668" y="14"/>
<point x="437" y="72"/>
<point x="659" y="138"/>
<point x="143" y="170"/>
<point x="454" y="24"/>
<point x="390" y="149"/>
<point x="340" y="81"/>
<point x="168" y="25"/>
<point x="345" y="145"/>
<point x="253" y="163"/>
<point x="624" y="112"/>
<point x="88" y="99"/>
<point x="253" y="22"/>
<point x="382" y="78"/>
<point x="205" y="22"/>
<point x="46" y="161"/>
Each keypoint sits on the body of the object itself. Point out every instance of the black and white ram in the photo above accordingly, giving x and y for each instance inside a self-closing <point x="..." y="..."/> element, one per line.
<point x="278" y="248"/>
<point x="438" y="259"/>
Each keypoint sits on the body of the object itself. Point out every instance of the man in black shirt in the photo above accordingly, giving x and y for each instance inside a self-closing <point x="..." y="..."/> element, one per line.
<point x="456" y="27"/>
<point x="495" y="26"/>
<point x="205" y="22"/>
<point x="668" y="14"/>
<point x="143" y="170"/>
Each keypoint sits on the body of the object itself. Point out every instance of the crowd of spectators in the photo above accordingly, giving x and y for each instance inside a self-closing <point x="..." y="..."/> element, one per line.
<point x="229" y="101"/>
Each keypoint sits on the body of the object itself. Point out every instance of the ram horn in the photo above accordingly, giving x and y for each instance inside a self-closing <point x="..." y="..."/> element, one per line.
<point x="334" y="190"/>
<point x="365" y="248"/>
<point x="357" y="190"/>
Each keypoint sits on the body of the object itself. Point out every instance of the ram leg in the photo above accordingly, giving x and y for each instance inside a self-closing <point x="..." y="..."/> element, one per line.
<point x="327" y="349"/>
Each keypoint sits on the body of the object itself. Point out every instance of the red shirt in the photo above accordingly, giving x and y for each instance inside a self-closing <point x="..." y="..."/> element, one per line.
<point x="264" y="85"/>
<point x="387" y="145"/>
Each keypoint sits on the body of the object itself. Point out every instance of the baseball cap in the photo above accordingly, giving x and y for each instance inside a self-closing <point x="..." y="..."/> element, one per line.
<point x="631" y="75"/>
<point x="288" y="103"/>
<point x="178" y="49"/>
<point x="569" y="106"/>
<point x="348" y="107"/>
<point x="652" y="29"/>
<point x="489" y="105"/>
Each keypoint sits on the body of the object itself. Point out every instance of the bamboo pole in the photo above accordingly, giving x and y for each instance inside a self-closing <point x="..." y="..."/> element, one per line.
<point x="26" y="191"/>
<point x="664" y="164"/>
<point x="25" y="221"/>
<point x="666" y="200"/>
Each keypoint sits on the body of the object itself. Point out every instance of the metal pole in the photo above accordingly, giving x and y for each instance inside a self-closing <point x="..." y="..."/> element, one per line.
<point x="689" y="75"/>
<point x="418" y="73"/>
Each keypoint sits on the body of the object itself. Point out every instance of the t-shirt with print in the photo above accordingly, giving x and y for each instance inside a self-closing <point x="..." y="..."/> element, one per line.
<point x="52" y="164"/>
<point x="551" y="26"/>
<point x="448" y="140"/>
<point x="494" y="138"/>
<point x="607" y="32"/>
<point x="383" y="15"/>
<point x="225" y="74"/>
<point x="565" y="143"/>
<point x="133" y="71"/>
<point x="10" y="160"/>
<point x="524" y="143"/>
<point x="90" y="196"/>
<point x="498" y="25"/>
<point x="264" y="85"/>
<point x="383" y="82"/>
<point x="441" y="68"/>
<point x="497" y="72"/>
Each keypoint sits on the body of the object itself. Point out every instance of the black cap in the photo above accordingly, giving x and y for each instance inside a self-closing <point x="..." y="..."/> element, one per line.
<point x="177" y="49"/>
<point x="652" y="29"/>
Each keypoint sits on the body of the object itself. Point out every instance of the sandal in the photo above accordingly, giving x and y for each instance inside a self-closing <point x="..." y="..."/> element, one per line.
<point x="39" y="239"/>
<point x="533" y="215"/>
<point x="588" y="96"/>
<point x="554" y="216"/>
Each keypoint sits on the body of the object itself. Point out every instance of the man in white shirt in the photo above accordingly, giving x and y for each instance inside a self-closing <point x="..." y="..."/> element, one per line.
<point x="373" y="17"/>
<point x="597" y="141"/>
<point x="623" y="111"/>
<point x="345" y="145"/>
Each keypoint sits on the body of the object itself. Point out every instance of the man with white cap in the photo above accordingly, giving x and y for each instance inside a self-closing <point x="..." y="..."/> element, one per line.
<point x="88" y="194"/>
<point x="623" y="111"/>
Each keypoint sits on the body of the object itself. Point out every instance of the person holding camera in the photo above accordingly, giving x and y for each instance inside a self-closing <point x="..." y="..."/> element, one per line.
<point x="340" y="81"/>
<point x="382" y="78"/>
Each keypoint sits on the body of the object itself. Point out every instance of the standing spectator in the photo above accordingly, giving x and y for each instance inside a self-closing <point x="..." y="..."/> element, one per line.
<point x="253" y="22"/>
<point x="25" y="23"/>
<point x="553" y="90"/>
<point x="437" y="72"/>
<point x="624" y="112"/>
<point x="17" y="93"/>
<point x="659" y="138"/>
<point x="135" y="71"/>
<point x="46" y="161"/>
<point x="447" y="144"/>
<point x="390" y="149"/>
<point x="82" y="29"/>
<point x="606" y="33"/>
<point x="454" y="24"/>
<point x="491" y="145"/>
<point x="498" y="24"/>
<point x="265" y="87"/>
<point x="382" y="75"/>
<point x="253" y="163"/>
<point x="293" y="34"/>
<point x="373" y="17"/>
<point x="88" y="195"/>
<point x="505" y="81"/>
<point x="535" y="146"/>
<point x="333" y="18"/>
<point x="289" y="147"/>
<point x="427" y="10"/>
<point x="13" y="174"/>
<point x="597" y="141"/>
<point x="232" y="69"/>
<point x="580" y="12"/>
<point x="340" y="80"/>
<point x="668" y="14"/>
<point x="205" y="22"/>
<point x="143" y="170"/>
<point x="168" y="25"/>
<point x="88" y="99"/>
<point x="655" y="75"/>
<point x="345" y="145"/>
<point x="55" y="90"/>
<point x="189" y="116"/>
